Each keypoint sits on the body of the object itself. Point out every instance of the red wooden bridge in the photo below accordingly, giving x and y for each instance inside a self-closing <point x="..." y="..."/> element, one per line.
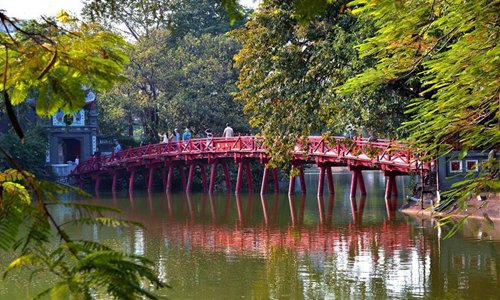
<point x="392" y="157"/>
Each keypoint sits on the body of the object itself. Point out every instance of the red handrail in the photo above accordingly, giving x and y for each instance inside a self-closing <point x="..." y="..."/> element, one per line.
<point x="381" y="151"/>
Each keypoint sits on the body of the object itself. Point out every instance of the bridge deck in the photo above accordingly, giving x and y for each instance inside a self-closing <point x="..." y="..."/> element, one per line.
<point x="394" y="158"/>
<point x="382" y="154"/>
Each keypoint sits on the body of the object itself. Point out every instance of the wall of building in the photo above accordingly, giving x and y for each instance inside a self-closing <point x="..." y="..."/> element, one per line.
<point x="451" y="169"/>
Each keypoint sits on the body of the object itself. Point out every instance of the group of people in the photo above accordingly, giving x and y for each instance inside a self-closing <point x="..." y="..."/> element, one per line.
<point x="175" y="136"/>
<point x="350" y="132"/>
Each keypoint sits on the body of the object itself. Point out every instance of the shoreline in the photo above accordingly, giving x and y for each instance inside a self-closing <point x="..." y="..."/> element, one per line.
<point x="477" y="209"/>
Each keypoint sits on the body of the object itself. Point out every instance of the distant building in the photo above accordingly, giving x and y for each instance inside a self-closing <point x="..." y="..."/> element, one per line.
<point x="72" y="136"/>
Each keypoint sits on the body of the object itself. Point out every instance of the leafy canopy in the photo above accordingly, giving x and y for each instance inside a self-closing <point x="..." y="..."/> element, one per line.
<point x="444" y="54"/>
<point x="84" y="269"/>
<point x="31" y="154"/>
<point x="181" y="72"/>
<point x="54" y="60"/>
<point x="452" y="46"/>
<point x="289" y="72"/>
<point x="50" y="61"/>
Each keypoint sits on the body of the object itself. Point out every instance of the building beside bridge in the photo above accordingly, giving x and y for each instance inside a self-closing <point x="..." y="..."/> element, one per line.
<point x="72" y="137"/>
<point x="452" y="169"/>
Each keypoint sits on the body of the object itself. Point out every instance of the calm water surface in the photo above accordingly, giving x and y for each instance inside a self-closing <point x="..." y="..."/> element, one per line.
<point x="276" y="247"/>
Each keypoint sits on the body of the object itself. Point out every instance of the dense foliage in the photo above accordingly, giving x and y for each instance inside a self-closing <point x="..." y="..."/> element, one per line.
<point x="30" y="155"/>
<point x="56" y="61"/>
<point x="140" y="18"/>
<point x="85" y="269"/>
<point x="198" y="85"/>
<point x="443" y="55"/>
<point x="289" y="74"/>
<point x="181" y="72"/>
<point x="50" y="61"/>
<point x="453" y="47"/>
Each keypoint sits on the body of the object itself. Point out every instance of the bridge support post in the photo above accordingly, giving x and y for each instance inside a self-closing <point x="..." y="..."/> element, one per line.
<point x="170" y="177"/>
<point x="321" y="209"/>
<point x="239" y="177"/>
<point x="394" y="186"/>
<point x="302" y="179"/>
<point x="226" y="177"/>
<point x="249" y="177"/>
<point x="183" y="177"/>
<point x="361" y="182"/>
<point x="263" y="188"/>
<point x="321" y="181"/>
<point x="150" y="179"/>
<point x="203" y="178"/>
<point x="329" y="175"/>
<point x="113" y="182"/>
<point x="357" y="178"/>
<point x="354" y="184"/>
<point x="190" y="178"/>
<point x="131" y="181"/>
<point x="291" y="203"/>
<point x="97" y="183"/>
<point x="354" y="208"/>
<point x="388" y="186"/>
<point x="276" y="181"/>
<point x="213" y="173"/>
<point x="239" y="208"/>
<point x="291" y="185"/>
<point x="163" y="179"/>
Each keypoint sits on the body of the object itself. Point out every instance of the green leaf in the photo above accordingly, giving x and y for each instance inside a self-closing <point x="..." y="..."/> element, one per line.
<point x="463" y="152"/>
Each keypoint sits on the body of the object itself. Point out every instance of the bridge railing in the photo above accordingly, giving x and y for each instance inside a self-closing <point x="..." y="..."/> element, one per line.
<point x="381" y="150"/>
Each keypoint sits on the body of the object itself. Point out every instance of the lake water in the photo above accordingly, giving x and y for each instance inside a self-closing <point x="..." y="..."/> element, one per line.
<point x="300" y="247"/>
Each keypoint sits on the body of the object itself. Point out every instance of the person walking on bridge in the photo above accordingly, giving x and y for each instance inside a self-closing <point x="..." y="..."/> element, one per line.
<point x="208" y="133"/>
<point x="118" y="147"/>
<point x="163" y="137"/>
<point x="176" y="138"/>
<point x="177" y="135"/>
<point x="186" y="136"/>
<point x="228" y="131"/>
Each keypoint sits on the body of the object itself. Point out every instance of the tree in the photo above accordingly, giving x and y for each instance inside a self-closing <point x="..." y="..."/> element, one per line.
<point x="116" y="112"/>
<point x="453" y="48"/>
<point x="198" y="17"/>
<point x="134" y="18"/>
<point x="444" y="55"/>
<point x="180" y="71"/>
<point x="289" y="72"/>
<point x="52" y="60"/>
<point x="142" y="17"/>
<point x="31" y="154"/>
<point x="198" y="83"/>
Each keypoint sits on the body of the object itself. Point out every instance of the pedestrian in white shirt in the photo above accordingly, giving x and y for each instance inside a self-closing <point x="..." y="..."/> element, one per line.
<point x="228" y="131"/>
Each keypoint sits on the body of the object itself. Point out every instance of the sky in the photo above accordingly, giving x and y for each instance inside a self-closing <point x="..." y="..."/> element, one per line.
<point x="32" y="9"/>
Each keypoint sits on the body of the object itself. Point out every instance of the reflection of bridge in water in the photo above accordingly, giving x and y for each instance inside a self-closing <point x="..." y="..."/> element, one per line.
<point x="204" y="236"/>
<point x="358" y="154"/>
<point x="245" y="238"/>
